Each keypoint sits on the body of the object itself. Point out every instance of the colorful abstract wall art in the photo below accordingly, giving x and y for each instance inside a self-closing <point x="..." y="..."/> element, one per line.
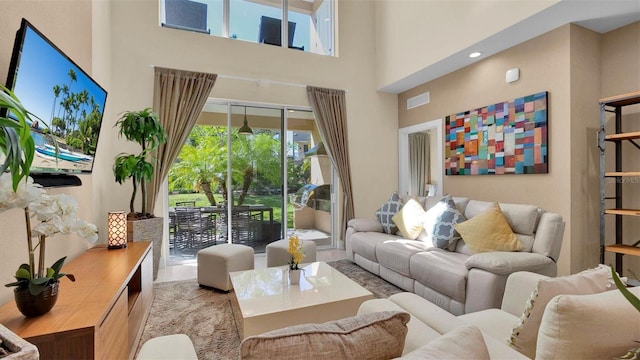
<point x="504" y="138"/>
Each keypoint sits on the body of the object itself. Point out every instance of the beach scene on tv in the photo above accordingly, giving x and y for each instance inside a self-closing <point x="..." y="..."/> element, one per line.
<point x="68" y="107"/>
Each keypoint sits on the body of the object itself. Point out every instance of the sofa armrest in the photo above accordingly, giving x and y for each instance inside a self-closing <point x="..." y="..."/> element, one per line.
<point x="365" y="224"/>
<point x="518" y="289"/>
<point x="505" y="263"/>
<point x="549" y="235"/>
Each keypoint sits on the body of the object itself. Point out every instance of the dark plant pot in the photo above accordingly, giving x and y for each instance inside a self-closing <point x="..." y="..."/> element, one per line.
<point x="36" y="305"/>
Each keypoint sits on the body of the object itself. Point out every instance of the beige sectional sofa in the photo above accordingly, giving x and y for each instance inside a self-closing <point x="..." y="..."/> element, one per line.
<point x="458" y="281"/>
<point x="585" y="324"/>
<point x="580" y="316"/>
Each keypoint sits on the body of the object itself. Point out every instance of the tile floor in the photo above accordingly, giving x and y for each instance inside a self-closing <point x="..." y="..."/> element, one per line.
<point x="189" y="270"/>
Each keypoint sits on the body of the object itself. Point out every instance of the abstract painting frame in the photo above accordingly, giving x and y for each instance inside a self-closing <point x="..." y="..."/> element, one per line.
<point x="510" y="137"/>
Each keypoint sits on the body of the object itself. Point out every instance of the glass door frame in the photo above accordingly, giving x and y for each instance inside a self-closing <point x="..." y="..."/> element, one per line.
<point x="335" y="206"/>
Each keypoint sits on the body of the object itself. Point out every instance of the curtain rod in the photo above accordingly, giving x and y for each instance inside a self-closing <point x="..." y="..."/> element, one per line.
<point x="260" y="81"/>
<point x="256" y="80"/>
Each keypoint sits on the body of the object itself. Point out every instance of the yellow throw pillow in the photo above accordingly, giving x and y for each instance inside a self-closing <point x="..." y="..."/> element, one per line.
<point x="488" y="231"/>
<point x="408" y="219"/>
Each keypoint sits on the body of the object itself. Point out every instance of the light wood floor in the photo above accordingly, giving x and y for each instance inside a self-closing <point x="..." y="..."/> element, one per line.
<point x="189" y="270"/>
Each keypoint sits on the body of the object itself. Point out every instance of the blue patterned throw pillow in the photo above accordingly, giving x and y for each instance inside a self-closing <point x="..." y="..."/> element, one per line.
<point x="387" y="211"/>
<point x="438" y="223"/>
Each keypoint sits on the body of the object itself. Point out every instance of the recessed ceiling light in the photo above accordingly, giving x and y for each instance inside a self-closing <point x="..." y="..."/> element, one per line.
<point x="475" y="54"/>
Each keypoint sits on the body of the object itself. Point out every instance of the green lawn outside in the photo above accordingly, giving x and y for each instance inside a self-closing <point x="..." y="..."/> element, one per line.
<point x="273" y="201"/>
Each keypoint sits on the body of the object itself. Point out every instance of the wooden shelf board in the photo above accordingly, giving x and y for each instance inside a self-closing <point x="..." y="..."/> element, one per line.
<point x="623" y="249"/>
<point x="631" y="212"/>
<point x="623" y="136"/>
<point x="133" y="297"/>
<point x="622" y="100"/>
<point x="622" y="173"/>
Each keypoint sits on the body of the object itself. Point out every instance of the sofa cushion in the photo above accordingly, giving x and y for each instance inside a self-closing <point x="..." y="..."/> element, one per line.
<point x="395" y="254"/>
<point x="364" y="243"/>
<point x="386" y="211"/>
<point x="465" y="342"/>
<point x="377" y="335"/>
<point x="526" y="242"/>
<point x="494" y="322"/>
<point x="462" y="248"/>
<point x="521" y="218"/>
<point x="590" y="318"/>
<point x="461" y="203"/>
<point x="488" y="231"/>
<point x="441" y="270"/>
<point x="525" y="334"/>
<point x="365" y="224"/>
<point x="424" y="310"/>
<point x="438" y="223"/>
<point x="409" y="219"/>
<point x="420" y="199"/>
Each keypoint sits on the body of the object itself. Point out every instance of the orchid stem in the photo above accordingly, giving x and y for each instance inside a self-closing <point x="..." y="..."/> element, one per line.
<point x="29" y="242"/>
<point x="41" y="257"/>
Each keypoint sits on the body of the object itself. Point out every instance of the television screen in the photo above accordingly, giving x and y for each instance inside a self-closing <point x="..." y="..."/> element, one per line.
<point x="67" y="103"/>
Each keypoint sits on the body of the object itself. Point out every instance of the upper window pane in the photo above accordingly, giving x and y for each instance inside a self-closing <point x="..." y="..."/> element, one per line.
<point x="310" y="22"/>
<point x="320" y="25"/>
<point x="245" y="20"/>
<point x="200" y="16"/>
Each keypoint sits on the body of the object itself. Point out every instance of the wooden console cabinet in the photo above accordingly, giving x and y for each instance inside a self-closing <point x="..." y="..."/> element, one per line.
<point x="99" y="316"/>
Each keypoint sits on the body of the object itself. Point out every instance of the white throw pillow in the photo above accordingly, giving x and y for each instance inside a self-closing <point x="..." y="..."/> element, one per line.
<point x="602" y="326"/>
<point x="409" y="219"/>
<point x="439" y="221"/>
<point x="525" y="335"/>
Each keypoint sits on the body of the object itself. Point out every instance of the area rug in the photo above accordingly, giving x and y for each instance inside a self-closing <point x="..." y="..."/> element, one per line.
<point x="208" y="316"/>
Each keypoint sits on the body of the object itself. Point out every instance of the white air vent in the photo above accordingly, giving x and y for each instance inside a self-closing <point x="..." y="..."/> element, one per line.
<point x="418" y="100"/>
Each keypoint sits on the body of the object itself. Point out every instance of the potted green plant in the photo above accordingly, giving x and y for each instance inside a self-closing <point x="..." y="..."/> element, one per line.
<point x="16" y="142"/>
<point x="634" y="300"/>
<point x="144" y="128"/>
<point x="54" y="213"/>
<point x="623" y="289"/>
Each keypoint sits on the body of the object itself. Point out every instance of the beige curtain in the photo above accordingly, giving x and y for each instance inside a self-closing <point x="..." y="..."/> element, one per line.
<point x="330" y="110"/>
<point x="419" y="163"/>
<point x="178" y="98"/>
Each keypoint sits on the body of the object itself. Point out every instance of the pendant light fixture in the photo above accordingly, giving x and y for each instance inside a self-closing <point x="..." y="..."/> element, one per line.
<point x="245" y="129"/>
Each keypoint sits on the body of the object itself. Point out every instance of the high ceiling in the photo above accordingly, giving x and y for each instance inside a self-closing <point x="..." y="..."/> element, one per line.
<point x="600" y="16"/>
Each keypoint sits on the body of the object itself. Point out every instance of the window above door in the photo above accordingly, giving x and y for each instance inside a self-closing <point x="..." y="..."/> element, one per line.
<point x="310" y="23"/>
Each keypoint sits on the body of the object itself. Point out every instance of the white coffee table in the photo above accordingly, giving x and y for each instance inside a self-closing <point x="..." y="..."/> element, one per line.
<point x="267" y="301"/>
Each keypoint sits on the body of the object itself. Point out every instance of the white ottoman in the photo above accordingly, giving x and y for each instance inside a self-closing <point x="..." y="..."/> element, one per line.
<point x="169" y="347"/>
<point x="277" y="254"/>
<point x="215" y="263"/>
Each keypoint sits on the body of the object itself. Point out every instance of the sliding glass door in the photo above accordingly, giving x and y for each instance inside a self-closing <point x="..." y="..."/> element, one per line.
<point x="232" y="171"/>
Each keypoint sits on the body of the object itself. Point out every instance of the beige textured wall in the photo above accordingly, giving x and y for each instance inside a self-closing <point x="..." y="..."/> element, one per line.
<point x="138" y="42"/>
<point x="484" y="83"/>
<point x="585" y="156"/>
<point x="68" y="25"/>
<point x="577" y="67"/>
<point x="621" y="75"/>
<point x="416" y="33"/>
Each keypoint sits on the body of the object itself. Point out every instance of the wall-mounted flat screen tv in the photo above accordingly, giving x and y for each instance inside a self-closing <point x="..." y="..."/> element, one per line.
<point x="67" y="102"/>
